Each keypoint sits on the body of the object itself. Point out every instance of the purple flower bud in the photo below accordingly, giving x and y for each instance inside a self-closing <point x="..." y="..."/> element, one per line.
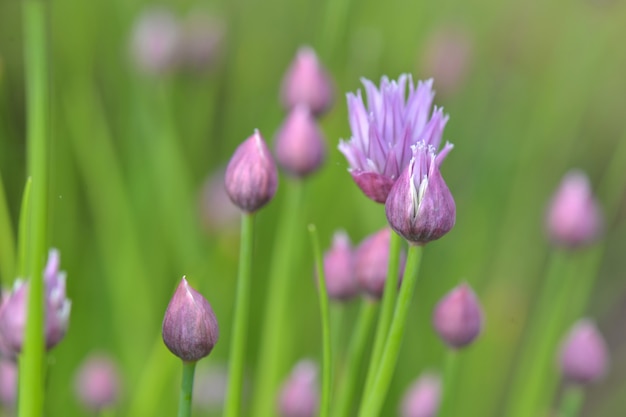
<point x="190" y="327"/>
<point x="201" y="41"/>
<point x="341" y="282"/>
<point x="371" y="261"/>
<point x="251" y="175"/>
<point x="584" y="356"/>
<point x="420" y="206"/>
<point x="97" y="383"/>
<point x="307" y="82"/>
<point x="384" y="132"/>
<point x="300" y="146"/>
<point x="458" y="317"/>
<point x="299" y="395"/>
<point x="423" y="397"/>
<point x="8" y="383"/>
<point x="155" y="41"/>
<point x="574" y="218"/>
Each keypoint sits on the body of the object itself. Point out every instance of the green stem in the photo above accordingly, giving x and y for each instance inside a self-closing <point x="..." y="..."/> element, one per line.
<point x="7" y="242"/>
<point x="572" y="402"/>
<point x="356" y="352"/>
<point x="325" y="316"/>
<point x="386" y="311"/>
<point x="32" y="370"/>
<point x="22" y="237"/>
<point x="240" y="324"/>
<point x="186" y="389"/>
<point x="274" y="346"/>
<point x="371" y="405"/>
<point x="449" y="380"/>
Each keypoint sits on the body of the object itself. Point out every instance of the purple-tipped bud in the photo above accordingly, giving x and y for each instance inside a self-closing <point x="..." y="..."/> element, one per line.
<point x="307" y="82"/>
<point x="371" y="261"/>
<point x="299" y="395"/>
<point x="458" y="317"/>
<point x="190" y="327"/>
<point x="420" y="206"/>
<point x="251" y="175"/>
<point x="155" y="41"/>
<point x="300" y="147"/>
<point x="341" y="282"/>
<point x="8" y="383"/>
<point x="423" y="397"/>
<point x="584" y="356"/>
<point x="574" y="218"/>
<point x="97" y="383"/>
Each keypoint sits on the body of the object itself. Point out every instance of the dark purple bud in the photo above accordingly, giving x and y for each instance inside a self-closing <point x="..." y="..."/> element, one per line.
<point x="300" y="147"/>
<point x="97" y="383"/>
<point x="574" y="218"/>
<point x="190" y="328"/>
<point x="420" y="206"/>
<point x="299" y="395"/>
<point x="307" y="82"/>
<point x="458" y="317"/>
<point x="584" y="356"/>
<point x="8" y="383"/>
<point x="341" y="282"/>
<point x="155" y="41"/>
<point x="423" y="397"/>
<point x="251" y="175"/>
<point x="371" y="261"/>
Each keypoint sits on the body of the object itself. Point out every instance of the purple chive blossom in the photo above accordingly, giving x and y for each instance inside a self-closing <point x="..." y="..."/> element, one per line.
<point x="420" y="206"/>
<point x="584" y="356"/>
<point x="299" y="395"/>
<point x="384" y="132"/>
<point x="97" y="383"/>
<point x="341" y="282"/>
<point x="458" y="317"/>
<point x="423" y="397"/>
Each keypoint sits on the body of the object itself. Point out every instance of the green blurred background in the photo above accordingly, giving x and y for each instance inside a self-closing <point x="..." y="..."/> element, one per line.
<point x="539" y="89"/>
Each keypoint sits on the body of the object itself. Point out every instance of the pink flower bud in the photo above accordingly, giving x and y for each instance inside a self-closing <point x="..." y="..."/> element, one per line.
<point x="201" y="40"/>
<point x="251" y="175"/>
<point x="8" y="383"/>
<point x="458" y="317"/>
<point x="300" y="146"/>
<point x="341" y="282"/>
<point x="307" y="82"/>
<point x="423" y="397"/>
<point x="97" y="383"/>
<point x="299" y="395"/>
<point x="190" y="328"/>
<point x="584" y="356"/>
<point x="574" y="218"/>
<point x="155" y="41"/>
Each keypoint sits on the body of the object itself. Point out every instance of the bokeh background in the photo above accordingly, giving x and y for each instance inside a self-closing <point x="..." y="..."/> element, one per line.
<point x="533" y="89"/>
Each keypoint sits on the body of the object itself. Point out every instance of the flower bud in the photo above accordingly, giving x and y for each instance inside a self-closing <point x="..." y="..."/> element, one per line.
<point x="584" y="356"/>
<point x="300" y="147"/>
<point x="458" y="317"/>
<point x="371" y="261"/>
<point x="423" y="397"/>
<point x="8" y="383"/>
<point x="341" y="284"/>
<point x="299" y="395"/>
<point x="251" y="175"/>
<point x="155" y="41"/>
<point x="307" y="82"/>
<point x="574" y="218"/>
<point x="97" y="383"/>
<point x="190" y="328"/>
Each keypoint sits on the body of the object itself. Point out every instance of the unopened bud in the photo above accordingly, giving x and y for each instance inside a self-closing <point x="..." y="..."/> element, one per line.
<point x="341" y="282"/>
<point x="584" y="355"/>
<point x="458" y="317"/>
<point x="423" y="397"/>
<point x="299" y="395"/>
<point x="98" y="383"/>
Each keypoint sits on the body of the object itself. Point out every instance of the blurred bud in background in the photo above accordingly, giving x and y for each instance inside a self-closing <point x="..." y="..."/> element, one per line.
<point x="458" y="317"/>
<point x="584" y="356"/>
<point x="155" y="41"/>
<point x="201" y="41"/>
<point x="97" y="383"/>
<point x="341" y="282"/>
<point x="422" y="398"/>
<point x="299" y="395"/>
<point x="8" y="383"/>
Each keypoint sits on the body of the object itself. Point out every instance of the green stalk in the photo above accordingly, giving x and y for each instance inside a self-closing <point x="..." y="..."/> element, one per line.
<point x="31" y="381"/>
<point x="325" y="316"/>
<point x="371" y="405"/>
<point x="186" y="389"/>
<point x="22" y="250"/>
<point x="7" y="242"/>
<point x="356" y="352"/>
<point x="273" y="348"/>
<point x="449" y="380"/>
<point x="572" y="402"/>
<point x="386" y="311"/>
<point x="240" y="324"/>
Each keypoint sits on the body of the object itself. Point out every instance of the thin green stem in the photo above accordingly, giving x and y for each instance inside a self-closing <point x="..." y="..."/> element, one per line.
<point x="186" y="389"/>
<point x="386" y="311"/>
<point x="7" y="241"/>
<point x="22" y="237"/>
<point x="32" y="370"/>
<point x="240" y="324"/>
<point x="325" y="316"/>
<point x="449" y="380"/>
<point x="371" y="405"/>
<point x="572" y="402"/>
<point x="356" y="352"/>
<point x="274" y="347"/>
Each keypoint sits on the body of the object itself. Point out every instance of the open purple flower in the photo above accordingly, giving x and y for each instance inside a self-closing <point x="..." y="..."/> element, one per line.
<point x="384" y="131"/>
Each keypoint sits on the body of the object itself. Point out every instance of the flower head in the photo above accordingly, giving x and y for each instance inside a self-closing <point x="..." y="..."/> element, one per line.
<point x="299" y="395"/>
<point x="422" y="398"/>
<point x="98" y="382"/>
<point x="383" y="133"/>
<point x="420" y="206"/>
<point x="190" y="329"/>
<point x="584" y="355"/>
<point x="458" y="317"/>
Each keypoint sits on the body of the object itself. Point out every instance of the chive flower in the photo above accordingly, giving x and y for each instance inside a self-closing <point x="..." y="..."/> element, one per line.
<point x="423" y="397"/>
<point x="97" y="382"/>
<point x="341" y="282"/>
<point x="299" y="395"/>
<point x="458" y="317"/>
<point x="584" y="356"/>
